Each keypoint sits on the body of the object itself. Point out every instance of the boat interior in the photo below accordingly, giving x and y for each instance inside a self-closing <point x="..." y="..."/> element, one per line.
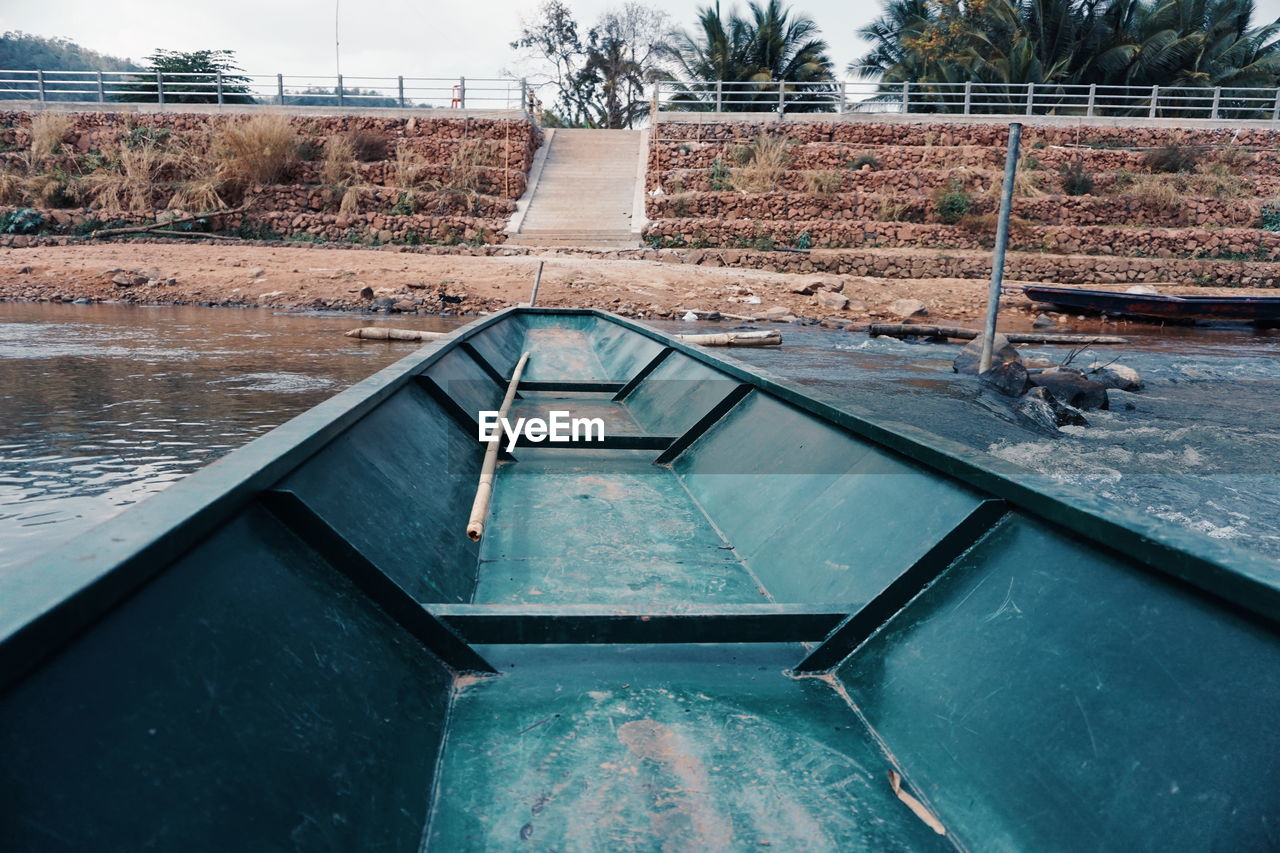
<point x="740" y="621"/>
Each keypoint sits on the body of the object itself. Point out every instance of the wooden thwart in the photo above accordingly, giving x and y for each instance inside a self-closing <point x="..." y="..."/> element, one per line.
<point x="766" y="338"/>
<point x="909" y="330"/>
<point x="380" y="333"/>
<point x="484" y="490"/>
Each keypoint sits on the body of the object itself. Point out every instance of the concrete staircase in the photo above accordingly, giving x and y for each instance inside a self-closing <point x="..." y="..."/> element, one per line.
<point x="585" y="192"/>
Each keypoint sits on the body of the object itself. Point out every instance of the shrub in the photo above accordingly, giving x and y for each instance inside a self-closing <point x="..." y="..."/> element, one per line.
<point x="1270" y="216"/>
<point x="338" y="165"/>
<point x="1075" y="180"/>
<point x="864" y="160"/>
<point x="893" y="210"/>
<point x="24" y="220"/>
<point x="680" y="205"/>
<point x="804" y="241"/>
<point x="1172" y="158"/>
<point x="466" y="166"/>
<point x="721" y="177"/>
<point x="259" y="149"/>
<point x="410" y="169"/>
<point x="952" y="203"/>
<point x="368" y="146"/>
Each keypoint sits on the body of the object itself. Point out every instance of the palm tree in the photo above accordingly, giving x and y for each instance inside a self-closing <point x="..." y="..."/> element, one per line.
<point x="767" y="46"/>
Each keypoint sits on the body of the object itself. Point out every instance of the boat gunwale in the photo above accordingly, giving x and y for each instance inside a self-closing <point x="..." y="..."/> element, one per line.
<point x="58" y="594"/>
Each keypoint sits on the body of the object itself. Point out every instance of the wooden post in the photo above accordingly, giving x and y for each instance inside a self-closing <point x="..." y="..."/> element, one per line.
<point x="537" y="280"/>
<point x="484" y="489"/>
<point x="1002" y="241"/>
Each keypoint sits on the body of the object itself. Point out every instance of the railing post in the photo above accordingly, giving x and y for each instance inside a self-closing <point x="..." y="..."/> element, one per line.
<point x="220" y="98"/>
<point x="102" y="90"/>
<point x="280" y="88"/>
<point x="782" y="98"/>
<point x="844" y="97"/>
<point x="968" y="96"/>
<point x="40" y="84"/>
<point x="400" y="89"/>
<point x="719" y="95"/>
<point x="906" y="97"/>
<point x="1155" y="99"/>
<point x="341" y="95"/>
<point x="160" y="88"/>
<point x="1217" y="98"/>
<point x="462" y="93"/>
<point x="1031" y="98"/>
<point x="1275" y="111"/>
<point x="1093" y="93"/>
<point x="526" y="102"/>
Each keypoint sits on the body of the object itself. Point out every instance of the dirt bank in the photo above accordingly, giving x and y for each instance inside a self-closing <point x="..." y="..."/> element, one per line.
<point x="362" y="280"/>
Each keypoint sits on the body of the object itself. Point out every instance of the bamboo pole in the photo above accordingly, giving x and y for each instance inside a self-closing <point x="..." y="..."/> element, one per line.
<point x="381" y="333"/>
<point x="767" y="338"/>
<point x="141" y="229"/>
<point x="906" y="330"/>
<point x="537" y="280"/>
<point x="484" y="490"/>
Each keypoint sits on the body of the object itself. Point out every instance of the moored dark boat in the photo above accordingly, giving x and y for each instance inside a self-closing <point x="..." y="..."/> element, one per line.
<point x="1255" y="309"/>
<point x="746" y="618"/>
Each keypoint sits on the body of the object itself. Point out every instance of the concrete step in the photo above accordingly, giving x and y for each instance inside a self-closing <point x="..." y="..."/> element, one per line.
<point x="586" y="191"/>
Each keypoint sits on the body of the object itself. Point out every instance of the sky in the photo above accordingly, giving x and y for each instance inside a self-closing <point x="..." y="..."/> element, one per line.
<point x="378" y="37"/>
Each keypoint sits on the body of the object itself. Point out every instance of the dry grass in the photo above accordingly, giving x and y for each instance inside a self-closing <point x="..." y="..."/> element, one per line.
<point x="1170" y="190"/>
<point x="48" y="133"/>
<point x="895" y="210"/>
<point x="369" y="147"/>
<point x="1027" y="182"/>
<point x="765" y="162"/>
<point x="351" y="198"/>
<point x="128" y="180"/>
<point x="410" y="168"/>
<point x="338" y="163"/>
<point x="11" y="189"/>
<point x="467" y="165"/>
<point x="258" y="149"/>
<point x="822" y="181"/>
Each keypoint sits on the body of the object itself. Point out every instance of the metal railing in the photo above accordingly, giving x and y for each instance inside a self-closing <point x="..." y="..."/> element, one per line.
<point x="265" y="89"/>
<point x="1221" y="103"/>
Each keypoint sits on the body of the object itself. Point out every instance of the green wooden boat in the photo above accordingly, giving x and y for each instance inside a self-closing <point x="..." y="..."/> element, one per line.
<point x="745" y="620"/>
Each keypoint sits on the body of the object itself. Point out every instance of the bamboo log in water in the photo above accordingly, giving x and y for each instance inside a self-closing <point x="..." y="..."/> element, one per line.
<point x="155" y="226"/>
<point x="380" y="333"/>
<point x="484" y="490"/>
<point x="905" y="330"/>
<point x="767" y="338"/>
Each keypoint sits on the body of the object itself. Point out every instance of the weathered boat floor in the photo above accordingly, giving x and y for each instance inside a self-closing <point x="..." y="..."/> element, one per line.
<point x="662" y="748"/>
<point x="600" y="527"/>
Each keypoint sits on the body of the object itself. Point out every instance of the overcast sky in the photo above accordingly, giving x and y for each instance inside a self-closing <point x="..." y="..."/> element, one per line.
<point x="378" y="37"/>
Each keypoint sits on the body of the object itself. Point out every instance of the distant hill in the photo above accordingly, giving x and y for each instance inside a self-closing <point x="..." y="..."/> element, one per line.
<point x="21" y="51"/>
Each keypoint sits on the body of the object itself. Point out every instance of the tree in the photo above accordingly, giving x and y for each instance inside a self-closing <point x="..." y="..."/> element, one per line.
<point x="599" y="80"/>
<point x="1183" y="46"/>
<point x="23" y="51"/>
<point x="319" y="96"/>
<point x="194" y="81"/>
<point x="767" y="46"/>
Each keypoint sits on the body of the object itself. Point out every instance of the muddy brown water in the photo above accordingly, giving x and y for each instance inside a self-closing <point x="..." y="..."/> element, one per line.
<point x="104" y="405"/>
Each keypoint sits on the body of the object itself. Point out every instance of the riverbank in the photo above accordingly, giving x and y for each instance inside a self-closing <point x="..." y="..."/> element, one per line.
<point x="364" y="280"/>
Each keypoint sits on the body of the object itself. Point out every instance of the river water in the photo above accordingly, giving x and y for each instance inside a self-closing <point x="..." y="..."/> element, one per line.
<point x="104" y="405"/>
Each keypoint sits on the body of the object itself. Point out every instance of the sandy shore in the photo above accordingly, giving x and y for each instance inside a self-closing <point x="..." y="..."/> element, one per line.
<point x="361" y="280"/>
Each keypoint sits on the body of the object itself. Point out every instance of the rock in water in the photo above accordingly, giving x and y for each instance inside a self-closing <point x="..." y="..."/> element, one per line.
<point x="689" y="317"/>
<point x="1002" y="352"/>
<point x="1009" y="377"/>
<point x="1041" y="408"/>
<point x="1116" y="376"/>
<point x="1043" y="321"/>
<point x="1072" y="389"/>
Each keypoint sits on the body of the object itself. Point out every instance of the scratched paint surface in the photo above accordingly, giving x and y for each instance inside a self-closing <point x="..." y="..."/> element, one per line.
<point x="675" y="748"/>
<point x="1048" y="697"/>
<point x="562" y="353"/>
<point x="583" y="526"/>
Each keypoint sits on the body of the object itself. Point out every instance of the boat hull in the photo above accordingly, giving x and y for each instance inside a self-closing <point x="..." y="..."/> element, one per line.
<point x="748" y="618"/>
<point x="1262" y="310"/>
